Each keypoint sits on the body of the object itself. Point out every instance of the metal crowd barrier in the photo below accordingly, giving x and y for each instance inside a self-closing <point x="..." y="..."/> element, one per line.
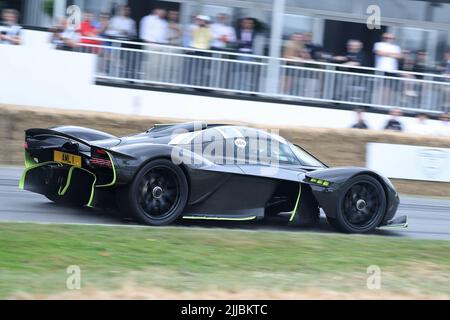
<point x="226" y="71"/>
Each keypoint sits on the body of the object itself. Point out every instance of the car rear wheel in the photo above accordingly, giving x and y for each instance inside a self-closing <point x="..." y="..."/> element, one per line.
<point x="158" y="194"/>
<point x="361" y="205"/>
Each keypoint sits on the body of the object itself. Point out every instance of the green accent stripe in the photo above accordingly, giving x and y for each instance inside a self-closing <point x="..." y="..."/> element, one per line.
<point x="69" y="179"/>
<point x="220" y="218"/>
<point x="24" y="173"/>
<point x="114" y="173"/>
<point x="29" y="161"/>
<point x="296" y="203"/>
<point x="91" y="198"/>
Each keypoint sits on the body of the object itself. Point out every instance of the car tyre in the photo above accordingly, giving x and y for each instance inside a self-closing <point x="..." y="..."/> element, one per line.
<point x="157" y="195"/>
<point x="361" y="205"/>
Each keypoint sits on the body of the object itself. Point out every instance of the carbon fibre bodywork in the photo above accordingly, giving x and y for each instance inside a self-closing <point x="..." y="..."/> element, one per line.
<point x="229" y="191"/>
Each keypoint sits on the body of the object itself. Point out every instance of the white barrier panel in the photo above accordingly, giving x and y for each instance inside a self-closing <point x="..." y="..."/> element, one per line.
<point x="44" y="77"/>
<point x="409" y="162"/>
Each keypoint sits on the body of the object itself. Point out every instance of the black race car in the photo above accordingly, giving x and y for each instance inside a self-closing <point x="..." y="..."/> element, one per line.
<point x="199" y="171"/>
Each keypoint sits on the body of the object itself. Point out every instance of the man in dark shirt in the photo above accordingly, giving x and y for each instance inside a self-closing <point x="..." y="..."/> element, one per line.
<point x="422" y="64"/>
<point x="314" y="50"/>
<point x="246" y="36"/>
<point x="360" y="123"/>
<point x="354" y="56"/>
<point x="393" y="123"/>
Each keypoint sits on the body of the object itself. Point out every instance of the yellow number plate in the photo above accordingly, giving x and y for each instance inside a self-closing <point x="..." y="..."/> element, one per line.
<point x="67" y="158"/>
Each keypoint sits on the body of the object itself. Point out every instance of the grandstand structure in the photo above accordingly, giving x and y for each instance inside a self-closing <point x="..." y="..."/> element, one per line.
<point x="418" y="25"/>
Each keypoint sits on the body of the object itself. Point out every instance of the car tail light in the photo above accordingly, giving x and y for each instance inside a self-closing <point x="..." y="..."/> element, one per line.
<point x="100" y="158"/>
<point x="99" y="162"/>
<point x="25" y="145"/>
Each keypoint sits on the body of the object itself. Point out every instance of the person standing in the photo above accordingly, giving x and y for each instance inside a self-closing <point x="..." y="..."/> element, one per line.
<point x="175" y="35"/>
<point x="444" y="125"/>
<point x="360" y="122"/>
<point x="88" y="30"/>
<point x="201" y="39"/>
<point x="387" y="57"/>
<point x="314" y="50"/>
<point x="9" y="29"/>
<point x="446" y="64"/>
<point x="154" y="27"/>
<point x="422" y="64"/>
<point x="154" y="31"/>
<point x="224" y="34"/>
<point x="421" y="126"/>
<point x="103" y="24"/>
<point x="351" y="86"/>
<point x="393" y="123"/>
<point x="202" y="35"/>
<point x="387" y="54"/>
<point x="64" y="36"/>
<point x="246" y="45"/>
<point x="121" y="25"/>
<point x="354" y="56"/>
<point x="246" y="36"/>
<point x="446" y="72"/>
<point x="295" y="52"/>
<point x="174" y="28"/>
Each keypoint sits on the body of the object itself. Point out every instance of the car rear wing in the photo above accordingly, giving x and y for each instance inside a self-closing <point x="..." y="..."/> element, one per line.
<point x="34" y="132"/>
<point x="38" y="131"/>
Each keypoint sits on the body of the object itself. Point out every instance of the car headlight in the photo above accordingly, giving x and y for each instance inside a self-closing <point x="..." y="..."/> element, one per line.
<point x="321" y="182"/>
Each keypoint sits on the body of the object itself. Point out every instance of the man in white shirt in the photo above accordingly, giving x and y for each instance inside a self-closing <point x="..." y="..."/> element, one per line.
<point x="121" y="25"/>
<point x="387" y="53"/>
<point x="64" y="36"/>
<point x="387" y="56"/>
<point x="422" y="125"/>
<point x="9" y="29"/>
<point x="154" y="28"/>
<point x="223" y="34"/>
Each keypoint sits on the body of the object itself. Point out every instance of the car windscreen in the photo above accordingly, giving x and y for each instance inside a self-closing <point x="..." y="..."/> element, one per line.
<point x="305" y="158"/>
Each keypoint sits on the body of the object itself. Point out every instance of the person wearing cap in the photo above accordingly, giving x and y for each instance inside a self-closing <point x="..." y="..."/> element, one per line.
<point x="202" y="35"/>
<point x="198" y="68"/>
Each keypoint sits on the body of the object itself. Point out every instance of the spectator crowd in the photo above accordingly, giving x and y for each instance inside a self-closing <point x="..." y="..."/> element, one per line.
<point x="163" y="27"/>
<point x="421" y="124"/>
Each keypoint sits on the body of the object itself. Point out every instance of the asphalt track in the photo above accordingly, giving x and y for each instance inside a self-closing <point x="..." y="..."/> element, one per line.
<point x="428" y="218"/>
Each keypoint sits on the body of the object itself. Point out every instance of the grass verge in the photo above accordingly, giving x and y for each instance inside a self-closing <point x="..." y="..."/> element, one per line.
<point x="178" y="260"/>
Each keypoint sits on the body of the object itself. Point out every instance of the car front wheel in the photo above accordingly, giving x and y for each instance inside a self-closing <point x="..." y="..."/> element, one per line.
<point x="361" y="205"/>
